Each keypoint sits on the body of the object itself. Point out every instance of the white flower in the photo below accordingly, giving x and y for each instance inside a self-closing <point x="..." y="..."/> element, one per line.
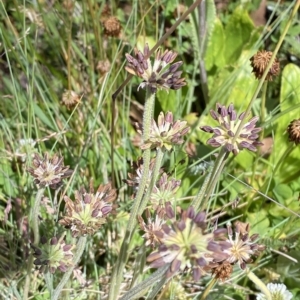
<point x="278" y="292"/>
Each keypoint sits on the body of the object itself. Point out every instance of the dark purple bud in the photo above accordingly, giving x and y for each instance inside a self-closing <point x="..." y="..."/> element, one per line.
<point x="214" y="115"/>
<point x="196" y="274"/>
<point x="106" y="210"/>
<point x="181" y="225"/>
<point x="230" y="133"/>
<point x="229" y="147"/>
<point x="207" y="129"/>
<point x="191" y="212"/>
<point x="53" y="241"/>
<point x="175" y="265"/>
<point x="200" y="217"/>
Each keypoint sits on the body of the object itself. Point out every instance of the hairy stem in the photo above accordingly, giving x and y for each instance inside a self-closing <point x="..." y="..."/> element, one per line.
<point x="121" y="261"/>
<point x="36" y="239"/>
<point x="141" y="288"/>
<point x="79" y="250"/>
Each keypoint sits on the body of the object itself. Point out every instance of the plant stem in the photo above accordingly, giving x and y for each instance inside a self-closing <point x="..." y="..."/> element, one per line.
<point x="79" y="250"/>
<point x="158" y="161"/>
<point x="141" y="288"/>
<point x="262" y="120"/>
<point x="121" y="261"/>
<point x="259" y="283"/>
<point x="208" y="288"/>
<point x="36" y="239"/>
<point x="215" y="174"/>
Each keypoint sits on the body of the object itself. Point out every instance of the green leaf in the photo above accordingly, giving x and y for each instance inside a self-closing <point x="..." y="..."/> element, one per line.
<point x="237" y="34"/>
<point x="214" y="55"/>
<point x="259" y="222"/>
<point x="282" y="192"/>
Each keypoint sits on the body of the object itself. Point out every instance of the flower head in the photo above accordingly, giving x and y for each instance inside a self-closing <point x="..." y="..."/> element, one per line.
<point x="164" y="190"/>
<point x="49" y="171"/>
<point x="89" y="210"/>
<point x="278" y="292"/>
<point x="294" y="131"/>
<point x="184" y="243"/>
<point x="112" y="27"/>
<point x="55" y="254"/>
<point x="159" y="75"/>
<point x="165" y="133"/>
<point x="135" y="177"/>
<point x="70" y="99"/>
<point x="259" y="63"/>
<point x="224" y="134"/>
<point x="242" y="247"/>
<point x="153" y="227"/>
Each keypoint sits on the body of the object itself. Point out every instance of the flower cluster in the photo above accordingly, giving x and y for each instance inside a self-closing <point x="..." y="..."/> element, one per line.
<point x="135" y="177"/>
<point x="53" y="253"/>
<point x="164" y="190"/>
<point x="166" y="133"/>
<point x="294" y="131"/>
<point x="49" y="171"/>
<point x="239" y="249"/>
<point x="89" y="210"/>
<point x="153" y="227"/>
<point x="278" y="292"/>
<point x="158" y="76"/>
<point x="259" y="63"/>
<point x="185" y="243"/>
<point x="225" y="133"/>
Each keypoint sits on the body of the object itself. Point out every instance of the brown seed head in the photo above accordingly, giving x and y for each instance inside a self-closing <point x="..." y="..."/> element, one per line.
<point x="294" y="131"/>
<point x="259" y="63"/>
<point x="70" y="99"/>
<point x="223" y="271"/>
<point x="112" y="27"/>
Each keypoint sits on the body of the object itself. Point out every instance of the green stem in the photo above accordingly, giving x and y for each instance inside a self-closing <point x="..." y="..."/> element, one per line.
<point x="216" y="172"/>
<point x="157" y="166"/>
<point x="286" y="153"/>
<point x="36" y="239"/>
<point x="208" y="288"/>
<point x="262" y="80"/>
<point x="79" y="250"/>
<point x="262" y="121"/>
<point x="198" y="199"/>
<point x="35" y="215"/>
<point x="141" y="288"/>
<point x="259" y="283"/>
<point x="122" y="258"/>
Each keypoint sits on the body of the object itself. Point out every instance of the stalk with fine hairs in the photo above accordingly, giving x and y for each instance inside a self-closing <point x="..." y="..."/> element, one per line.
<point x="79" y="250"/>
<point x="36" y="234"/>
<point x="121" y="261"/>
<point x="158" y="162"/>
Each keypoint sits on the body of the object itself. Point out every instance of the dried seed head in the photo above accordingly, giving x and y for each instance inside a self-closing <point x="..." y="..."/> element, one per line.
<point x="54" y="254"/>
<point x="49" y="171"/>
<point x="223" y="271"/>
<point x="103" y="66"/>
<point x="185" y="244"/>
<point x="160" y="75"/>
<point x="294" y="131"/>
<point x="70" y="99"/>
<point x="165" y="133"/>
<point x="112" y="27"/>
<point x="88" y="212"/>
<point x="259" y="63"/>
<point x="224" y="134"/>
